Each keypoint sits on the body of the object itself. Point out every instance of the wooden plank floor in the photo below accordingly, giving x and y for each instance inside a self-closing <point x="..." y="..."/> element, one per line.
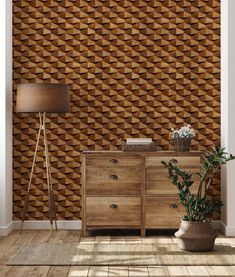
<point x="15" y="240"/>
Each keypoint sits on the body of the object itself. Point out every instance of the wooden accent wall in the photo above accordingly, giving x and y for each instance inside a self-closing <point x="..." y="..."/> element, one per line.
<point x="135" y="68"/>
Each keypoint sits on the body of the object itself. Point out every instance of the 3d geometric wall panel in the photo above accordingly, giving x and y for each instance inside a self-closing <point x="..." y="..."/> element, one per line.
<point x="135" y="68"/>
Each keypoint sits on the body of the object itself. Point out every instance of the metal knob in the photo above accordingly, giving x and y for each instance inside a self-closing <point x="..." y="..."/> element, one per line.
<point x="113" y="177"/>
<point x="113" y="161"/>
<point x="113" y="206"/>
<point x="173" y="206"/>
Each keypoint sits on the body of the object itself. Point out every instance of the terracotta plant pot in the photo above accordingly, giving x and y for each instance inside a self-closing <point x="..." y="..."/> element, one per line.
<point x="196" y="236"/>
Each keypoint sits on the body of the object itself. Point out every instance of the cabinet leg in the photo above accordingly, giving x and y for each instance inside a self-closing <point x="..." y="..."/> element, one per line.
<point x="85" y="233"/>
<point x="143" y="232"/>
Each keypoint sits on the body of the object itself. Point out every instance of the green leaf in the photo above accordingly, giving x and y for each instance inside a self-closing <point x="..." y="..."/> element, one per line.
<point x="198" y="207"/>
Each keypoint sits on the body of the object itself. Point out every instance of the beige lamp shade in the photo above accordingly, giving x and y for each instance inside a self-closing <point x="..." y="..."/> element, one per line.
<point x="50" y="98"/>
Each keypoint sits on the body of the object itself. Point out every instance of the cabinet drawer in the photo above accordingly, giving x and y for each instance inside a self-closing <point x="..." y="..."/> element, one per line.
<point x="113" y="181"/>
<point x="113" y="160"/>
<point x="163" y="212"/>
<point x="157" y="181"/>
<point x="182" y="161"/>
<point x="111" y="211"/>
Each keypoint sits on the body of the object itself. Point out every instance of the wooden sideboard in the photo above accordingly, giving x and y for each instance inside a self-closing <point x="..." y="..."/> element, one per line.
<point x="131" y="190"/>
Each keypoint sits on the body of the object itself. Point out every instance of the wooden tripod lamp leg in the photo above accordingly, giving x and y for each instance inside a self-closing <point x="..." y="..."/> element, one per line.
<point x="31" y="175"/>
<point x="51" y="199"/>
<point x="53" y="208"/>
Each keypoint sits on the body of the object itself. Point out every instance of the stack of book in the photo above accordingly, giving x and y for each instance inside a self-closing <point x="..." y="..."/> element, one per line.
<point x="139" y="144"/>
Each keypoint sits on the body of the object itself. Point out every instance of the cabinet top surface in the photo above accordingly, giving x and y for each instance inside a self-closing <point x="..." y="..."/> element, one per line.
<point x="190" y="153"/>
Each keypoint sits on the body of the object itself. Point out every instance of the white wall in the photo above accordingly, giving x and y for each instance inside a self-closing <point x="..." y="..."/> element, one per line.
<point x="228" y="111"/>
<point x="5" y="116"/>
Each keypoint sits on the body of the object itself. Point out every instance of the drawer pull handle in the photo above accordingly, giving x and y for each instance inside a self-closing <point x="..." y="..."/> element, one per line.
<point x="173" y="206"/>
<point x="113" y="206"/>
<point x="113" y="177"/>
<point x="113" y="161"/>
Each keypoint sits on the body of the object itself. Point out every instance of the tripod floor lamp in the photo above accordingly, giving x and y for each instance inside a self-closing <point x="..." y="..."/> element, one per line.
<point x="42" y="99"/>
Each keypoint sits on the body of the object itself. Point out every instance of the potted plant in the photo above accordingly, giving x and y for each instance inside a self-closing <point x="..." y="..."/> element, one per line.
<point x="195" y="232"/>
<point x="182" y="138"/>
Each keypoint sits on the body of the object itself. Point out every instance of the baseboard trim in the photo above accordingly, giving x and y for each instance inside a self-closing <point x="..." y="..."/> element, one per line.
<point x="44" y="224"/>
<point x="227" y="230"/>
<point x="5" y="230"/>
<point x="77" y="225"/>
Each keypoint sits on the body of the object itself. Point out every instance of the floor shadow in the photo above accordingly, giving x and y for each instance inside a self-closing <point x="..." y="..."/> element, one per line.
<point x="127" y="232"/>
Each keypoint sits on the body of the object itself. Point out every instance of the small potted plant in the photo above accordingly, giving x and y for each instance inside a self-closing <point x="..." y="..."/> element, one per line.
<point x="182" y="138"/>
<point x="195" y="232"/>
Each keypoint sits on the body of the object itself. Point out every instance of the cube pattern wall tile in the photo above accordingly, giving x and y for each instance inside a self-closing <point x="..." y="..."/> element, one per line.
<point x="135" y="68"/>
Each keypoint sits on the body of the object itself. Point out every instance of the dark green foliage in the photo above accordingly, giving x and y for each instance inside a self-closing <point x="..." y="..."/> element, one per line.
<point x="199" y="207"/>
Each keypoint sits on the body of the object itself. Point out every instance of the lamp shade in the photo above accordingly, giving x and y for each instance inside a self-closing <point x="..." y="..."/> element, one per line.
<point x="50" y="98"/>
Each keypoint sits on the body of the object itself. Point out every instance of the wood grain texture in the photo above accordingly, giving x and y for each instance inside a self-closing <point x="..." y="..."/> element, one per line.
<point x="157" y="181"/>
<point x="101" y="191"/>
<point x="157" y="271"/>
<point x="113" y="180"/>
<point x="218" y="270"/>
<point x="82" y="271"/>
<point x="135" y="69"/>
<point x="78" y="271"/>
<point x="118" y="271"/>
<point x="161" y="214"/>
<point x="116" y="253"/>
<point x="135" y="271"/>
<point x="84" y="231"/>
<point x="106" y="174"/>
<point x="100" y="213"/>
<point x="25" y="271"/>
<point x="186" y="160"/>
<point x="178" y="271"/>
<point x="111" y="160"/>
<point x="58" y="271"/>
<point x="115" y="187"/>
<point x="101" y="271"/>
<point x="197" y="271"/>
<point x="158" y="206"/>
